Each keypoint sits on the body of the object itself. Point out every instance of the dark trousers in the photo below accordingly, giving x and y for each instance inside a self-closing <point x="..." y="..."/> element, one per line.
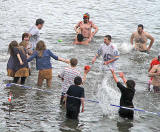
<point x="15" y="80"/>
<point x="125" y="113"/>
<point x="72" y="111"/>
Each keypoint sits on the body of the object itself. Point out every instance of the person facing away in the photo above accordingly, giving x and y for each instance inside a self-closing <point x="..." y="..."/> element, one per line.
<point x="68" y="75"/>
<point x="155" y="74"/>
<point x="34" y="32"/>
<point x="127" y="94"/>
<point x="85" y="27"/>
<point x="140" y="37"/>
<point x="17" y="65"/>
<point x="80" y="40"/>
<point x="43" y="63"/>
<point x="74" y="98"/>
<point x="109" y="53"/>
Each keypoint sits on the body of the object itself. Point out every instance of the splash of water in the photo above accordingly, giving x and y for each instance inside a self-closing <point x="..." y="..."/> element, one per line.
<point x="108" y="94"/>
<point x="125" y="48"/>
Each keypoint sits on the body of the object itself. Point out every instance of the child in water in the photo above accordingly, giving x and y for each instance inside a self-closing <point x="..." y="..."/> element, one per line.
<point x="127" y="94"/>
<point x="17" y="65"/>
<point x="73" y="104"/>
<point x="43" y="63"/>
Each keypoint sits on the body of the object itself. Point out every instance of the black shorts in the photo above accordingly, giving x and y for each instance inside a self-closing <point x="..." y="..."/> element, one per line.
<point x="125" y="113"/>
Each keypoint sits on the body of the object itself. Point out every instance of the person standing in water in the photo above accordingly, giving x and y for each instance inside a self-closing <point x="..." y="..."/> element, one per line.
<point x="74" y="98"/>
<point x="155" y="61"/>
<point x="17" y="65"/>
<point x="34" y="32"/>
<point x="140" y="37"/>
<point x="127" y="94"/>
<point x="109" y="53"/>
<point x="155" y="74"/>
<point x="43" y="63"/>
<point x="85" y="27"/>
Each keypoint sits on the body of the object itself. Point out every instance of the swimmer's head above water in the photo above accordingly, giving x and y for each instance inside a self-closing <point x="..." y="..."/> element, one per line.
<point x="86" y="17"/>
<point x="80" y="37"/>
<point x="140" y="28"/>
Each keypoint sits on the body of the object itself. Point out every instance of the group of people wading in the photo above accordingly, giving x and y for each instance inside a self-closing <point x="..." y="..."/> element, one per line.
<point x="72" y="92"/>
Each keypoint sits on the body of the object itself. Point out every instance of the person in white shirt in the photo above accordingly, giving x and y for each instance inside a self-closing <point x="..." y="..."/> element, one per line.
<point x="109" y="53"/>
<point x="34" y="32"/>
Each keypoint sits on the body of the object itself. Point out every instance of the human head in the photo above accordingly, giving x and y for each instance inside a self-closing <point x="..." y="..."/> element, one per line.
<point x="78" y="80"/>
<point x="131" y="84"/>
<point x="140" y="28"/>
<point x="25" y="36"/>
<point x="24" y="44"/>
<point x="86" y="17"/>
<point x="107" y="39"/>
<point x="80" y="37"/>
<point x="73" y="62"/>
<point x="12" y="45"/>
<point x="40" y="45"/>
<point x="39" y="23"/>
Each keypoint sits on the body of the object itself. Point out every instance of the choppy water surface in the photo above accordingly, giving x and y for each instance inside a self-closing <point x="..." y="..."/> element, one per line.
<point x="34" y="110"/>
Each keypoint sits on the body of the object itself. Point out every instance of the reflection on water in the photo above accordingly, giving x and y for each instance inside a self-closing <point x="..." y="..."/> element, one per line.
<point x="124" y="126"/>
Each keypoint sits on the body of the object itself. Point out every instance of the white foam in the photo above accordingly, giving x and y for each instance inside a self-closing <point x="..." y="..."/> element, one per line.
<point x="125" y="48"/>
<point x="108" y="94"/>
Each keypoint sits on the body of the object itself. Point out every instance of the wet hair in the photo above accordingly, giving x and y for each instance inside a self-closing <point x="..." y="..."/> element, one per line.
<point x="25" y="35"/>
<point x="78" y="80"/>
<point x="23" y="43"/>
<point x="39" y="21"/>
<point x="109" y="37"/>
<point x="131" y="84"/>
<point x="73" y="62"/>
<point x="80" y="37"/>
<point x="140" y="25"/>
<point x="40" y="47"/>
<point x="12" y="45"/>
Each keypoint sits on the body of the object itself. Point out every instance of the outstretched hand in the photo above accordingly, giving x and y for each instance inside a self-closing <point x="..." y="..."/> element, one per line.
<point x="121" y="74"/>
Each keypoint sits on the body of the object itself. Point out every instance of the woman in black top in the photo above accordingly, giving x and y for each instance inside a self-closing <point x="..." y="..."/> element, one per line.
<point x="127" y="94"/>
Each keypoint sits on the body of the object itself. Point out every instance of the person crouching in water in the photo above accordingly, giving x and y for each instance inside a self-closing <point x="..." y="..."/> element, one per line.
<point x="127" y="94"/>
<point x="43" y="63"/>
<point x="74" y="98"/>
<point x="80" y="40"/>
<point x="17" y="65"/>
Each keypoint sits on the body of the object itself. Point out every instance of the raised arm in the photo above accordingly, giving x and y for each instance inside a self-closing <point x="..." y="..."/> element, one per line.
<point x="114" y="76"/>
<point x="121" y="74"/>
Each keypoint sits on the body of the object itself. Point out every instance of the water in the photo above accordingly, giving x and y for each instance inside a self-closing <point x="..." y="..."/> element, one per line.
<point x="34" y="110"/>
